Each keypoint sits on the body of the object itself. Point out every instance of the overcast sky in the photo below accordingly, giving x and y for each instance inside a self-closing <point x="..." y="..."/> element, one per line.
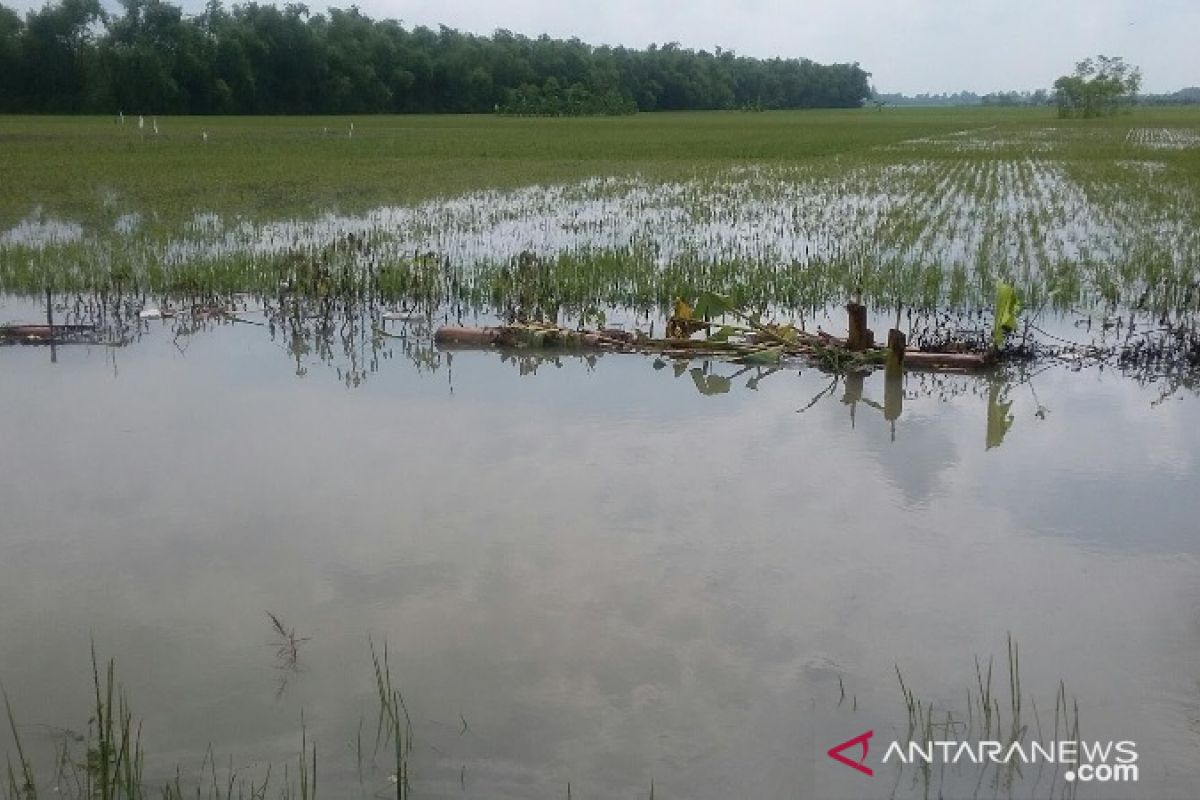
<point x="909" y="46"/>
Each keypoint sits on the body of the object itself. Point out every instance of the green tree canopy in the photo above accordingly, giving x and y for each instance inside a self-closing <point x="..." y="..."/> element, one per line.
<point x="1100" y="86"/>
<point x="151" y="58"/>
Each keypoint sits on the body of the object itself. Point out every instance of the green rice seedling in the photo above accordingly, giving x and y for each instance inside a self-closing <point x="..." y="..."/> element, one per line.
<point x="394" y="724"/>
<point x="21" y="782"/>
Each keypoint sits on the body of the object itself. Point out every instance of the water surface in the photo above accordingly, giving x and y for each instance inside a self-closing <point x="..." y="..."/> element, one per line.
<point x="587" y="570"/>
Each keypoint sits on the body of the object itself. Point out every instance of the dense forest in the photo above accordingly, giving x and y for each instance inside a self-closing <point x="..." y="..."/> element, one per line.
<point x="74" y="56"/>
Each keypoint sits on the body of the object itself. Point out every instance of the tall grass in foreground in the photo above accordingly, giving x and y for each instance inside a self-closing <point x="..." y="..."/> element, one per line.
<point x="394" y="726"/>
<point x="111" y="766"/>
<point x="983" y="719"/>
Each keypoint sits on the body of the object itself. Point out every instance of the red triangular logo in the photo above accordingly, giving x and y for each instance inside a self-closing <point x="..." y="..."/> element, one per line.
<point x="863" y="739"/>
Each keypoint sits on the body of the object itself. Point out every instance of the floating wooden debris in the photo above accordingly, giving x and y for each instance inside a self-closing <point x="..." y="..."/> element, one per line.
<point x="919" y="359"/>
<point x="749" y="340"/>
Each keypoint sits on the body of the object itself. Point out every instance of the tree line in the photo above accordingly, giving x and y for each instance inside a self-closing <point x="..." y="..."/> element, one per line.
<point x="1188" y="96"/>
<point x="72" y="56"/>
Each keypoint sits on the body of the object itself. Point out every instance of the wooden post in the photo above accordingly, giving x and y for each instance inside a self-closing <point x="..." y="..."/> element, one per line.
<point x="50" y="327"/>
<point x="893" y="387"/>
<point x="860" y="338"/>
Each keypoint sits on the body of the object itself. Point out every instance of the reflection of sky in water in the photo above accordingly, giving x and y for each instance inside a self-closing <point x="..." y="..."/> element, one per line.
<point x="38" y="232"/>
<point x="1026" y="211"/>
<point x="612" y="577"/>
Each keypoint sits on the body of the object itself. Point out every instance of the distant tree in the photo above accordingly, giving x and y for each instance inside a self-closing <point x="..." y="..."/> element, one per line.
<point x="12" y="30"/>
<point x="56" y="55"/>
<point x="260" y="57"/>
<point x="1100" y="86"/>
<point x="1188" y="96"/>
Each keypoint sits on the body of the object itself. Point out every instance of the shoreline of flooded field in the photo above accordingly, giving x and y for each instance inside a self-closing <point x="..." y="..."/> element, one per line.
<point x="354" y="339"/>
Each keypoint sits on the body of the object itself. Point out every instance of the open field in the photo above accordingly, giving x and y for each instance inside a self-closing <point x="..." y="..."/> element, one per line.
<point x="928" y="208"/>
<point x="86" y="168"/>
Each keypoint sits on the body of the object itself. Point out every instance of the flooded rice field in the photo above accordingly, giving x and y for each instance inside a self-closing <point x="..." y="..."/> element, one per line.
<point x="604" y="571"/>
<point x="239" y="466"/>
<point x="930" y="222"/>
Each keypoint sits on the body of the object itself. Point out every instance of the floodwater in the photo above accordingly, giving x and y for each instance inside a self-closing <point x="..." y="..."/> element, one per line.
<point x="604" y="572"/>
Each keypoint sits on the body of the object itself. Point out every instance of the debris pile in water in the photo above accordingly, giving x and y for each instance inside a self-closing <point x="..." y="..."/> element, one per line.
<point x="738" y="335"/>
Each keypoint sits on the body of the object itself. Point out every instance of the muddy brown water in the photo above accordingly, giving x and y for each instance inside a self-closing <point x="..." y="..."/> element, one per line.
<point x="588" y="571"/>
